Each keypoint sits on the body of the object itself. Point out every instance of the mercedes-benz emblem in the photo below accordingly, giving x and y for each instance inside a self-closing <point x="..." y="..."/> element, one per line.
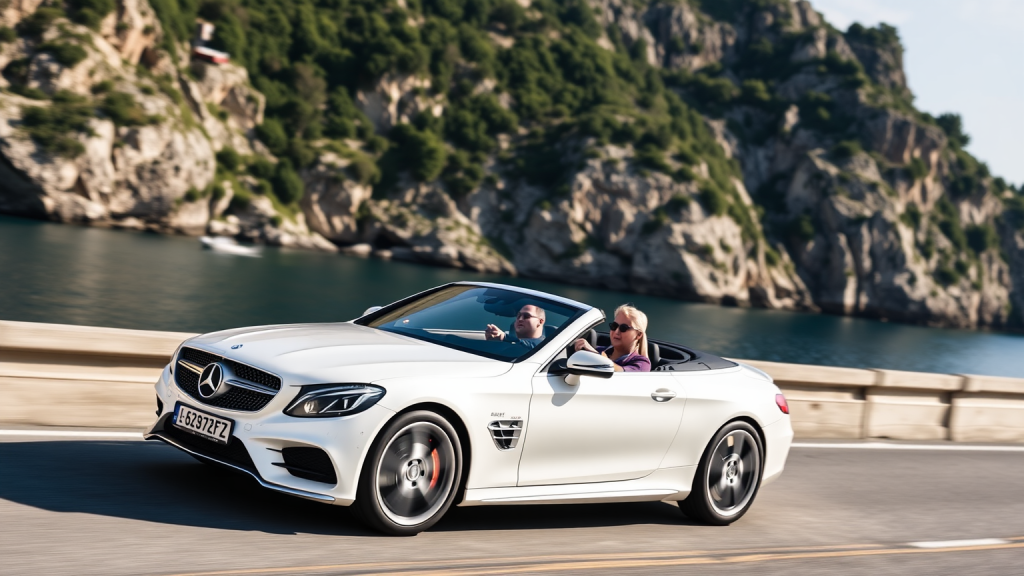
<point x="211" y="381"/>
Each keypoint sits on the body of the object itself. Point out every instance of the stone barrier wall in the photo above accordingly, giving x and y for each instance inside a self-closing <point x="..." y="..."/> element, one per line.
<point x="57" y="375"/>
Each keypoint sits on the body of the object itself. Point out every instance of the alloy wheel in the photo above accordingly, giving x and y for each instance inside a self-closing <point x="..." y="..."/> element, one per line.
<point x="415" y="474"/>
<point x="733" y="472"/>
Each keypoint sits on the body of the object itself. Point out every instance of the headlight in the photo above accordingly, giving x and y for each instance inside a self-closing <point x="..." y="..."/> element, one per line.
<point x="333" y="400"/>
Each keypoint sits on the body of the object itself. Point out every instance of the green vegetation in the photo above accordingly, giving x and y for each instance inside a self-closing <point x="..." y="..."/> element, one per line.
<point x="287" y="185"/>
<point x="229" y="159"/>
<point x="912" y="216"/>
<point x="7" y="35"/>
<point x="846" y="149"/>
<point x="309" y="59"/>
<point x="54" y="127"/>
<point x="90" y="12"/>
<point x="883" y="36"/>
<point x="953" y="126"/>
<point x="122" y="109"/>
<point x="67" y="55"/>
<point x="37" y="22"/>
<point x="917" y="168"/>
<point x="949" y="223"/>
<point x="982" y="237"/>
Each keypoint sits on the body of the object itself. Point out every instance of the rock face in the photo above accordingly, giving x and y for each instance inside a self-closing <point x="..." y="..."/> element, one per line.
<point x="838" y="197"/>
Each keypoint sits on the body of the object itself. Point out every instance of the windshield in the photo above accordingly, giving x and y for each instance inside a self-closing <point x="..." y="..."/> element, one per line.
<point x="491" y="322"/>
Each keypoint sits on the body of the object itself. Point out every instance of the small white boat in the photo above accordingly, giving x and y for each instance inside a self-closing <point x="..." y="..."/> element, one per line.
<point x="226" y="245"/>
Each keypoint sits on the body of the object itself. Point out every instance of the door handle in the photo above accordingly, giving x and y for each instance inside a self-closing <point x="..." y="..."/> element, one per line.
<point x="663" y="395"/>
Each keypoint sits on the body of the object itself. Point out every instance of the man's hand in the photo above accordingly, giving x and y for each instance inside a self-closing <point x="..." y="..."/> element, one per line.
<point x="581" y="344"/>
<point x="494" y="333"/>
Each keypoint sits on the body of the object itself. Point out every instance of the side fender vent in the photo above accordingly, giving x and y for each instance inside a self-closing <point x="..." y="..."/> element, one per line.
<point x="505" y="433"/>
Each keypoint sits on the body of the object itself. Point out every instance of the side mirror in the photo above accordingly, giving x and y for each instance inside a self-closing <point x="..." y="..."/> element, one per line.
<point x="583" y="363"/>
<point x="371" y="310"/>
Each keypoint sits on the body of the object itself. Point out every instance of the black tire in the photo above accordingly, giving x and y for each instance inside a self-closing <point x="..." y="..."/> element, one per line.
<point x="411" y="475"/>
<point x="728" y="477"/>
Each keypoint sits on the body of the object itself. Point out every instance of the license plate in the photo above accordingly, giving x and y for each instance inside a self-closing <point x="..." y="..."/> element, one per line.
<point x="202" y="424"/>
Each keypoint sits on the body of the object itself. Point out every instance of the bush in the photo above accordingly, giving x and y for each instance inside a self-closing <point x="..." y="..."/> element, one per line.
<point x="652" y="157"/>
<point x="917" y="169"/>
<point x="272" y="133"/>
<point x="912" y="216"/>
<point x="121" y="108"/>
<point x="261" y="168"/>
<point x="288" y="187"/>
<point x="712" y="90"/>
<point x="422" y="152"/>
<point x="946" y="276"/>
<point x="67" y="55"/>
<point x="364" y="171"/>
<point x="53" y="128"/>
<point x="229" y="158"/>
<point x="755" y="92"/>
<point x="27" y="92"/>
<point x="7" y="35"/>
<point x="955" y="233"/>
<point x="953" y="126"/>
<point x="713" y="199"/>
<point x="102" y="87"/>
<point x="39" y="21"/>
<point x="678" y="202"/>
<point x="1014" y="212"/>
<point x="846" y="149"/>
<point x="90" y="12"/>
<point x="982" y="237"/>
<point x="507" y="13"/>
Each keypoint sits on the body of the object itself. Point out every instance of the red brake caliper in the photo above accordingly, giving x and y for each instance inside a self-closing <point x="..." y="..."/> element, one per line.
<point x="437" y="469"/>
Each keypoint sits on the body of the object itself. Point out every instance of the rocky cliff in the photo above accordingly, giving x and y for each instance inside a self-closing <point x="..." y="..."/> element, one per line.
<point x="742" y="152"/>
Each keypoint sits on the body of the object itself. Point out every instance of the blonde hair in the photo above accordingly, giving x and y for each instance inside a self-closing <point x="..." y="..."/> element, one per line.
<point x="638" y="320"/>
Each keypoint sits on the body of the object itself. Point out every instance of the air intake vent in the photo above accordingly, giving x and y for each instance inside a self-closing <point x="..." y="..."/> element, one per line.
<point x="505" y="433"/>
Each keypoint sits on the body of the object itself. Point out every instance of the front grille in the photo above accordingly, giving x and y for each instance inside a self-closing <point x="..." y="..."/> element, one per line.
<point x="233" y="452"/>
<point x="505" y="433"/>
<point x="198" y="357"/>
<point x="240" y="399"/>
<point x="253" y="375"/>
<point x="309" y="463"/>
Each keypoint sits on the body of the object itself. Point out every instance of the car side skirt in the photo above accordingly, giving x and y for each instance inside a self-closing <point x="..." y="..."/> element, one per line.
<point x="667" y="484"/>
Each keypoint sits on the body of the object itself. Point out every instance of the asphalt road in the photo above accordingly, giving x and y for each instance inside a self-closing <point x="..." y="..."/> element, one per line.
<point x="87" y="507"/>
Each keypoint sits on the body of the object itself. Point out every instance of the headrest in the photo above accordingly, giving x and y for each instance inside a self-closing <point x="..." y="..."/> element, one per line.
<point x="653" y="354"/>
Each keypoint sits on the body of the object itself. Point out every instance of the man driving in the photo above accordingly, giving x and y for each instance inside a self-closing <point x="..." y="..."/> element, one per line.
<point x="529" y="327"/>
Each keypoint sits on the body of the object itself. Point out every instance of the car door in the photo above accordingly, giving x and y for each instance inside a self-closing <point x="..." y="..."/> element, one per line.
<point x="600" y="430"/>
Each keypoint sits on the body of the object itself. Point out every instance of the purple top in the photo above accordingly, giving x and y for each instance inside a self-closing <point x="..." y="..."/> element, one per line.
<point x="631" y="362"/>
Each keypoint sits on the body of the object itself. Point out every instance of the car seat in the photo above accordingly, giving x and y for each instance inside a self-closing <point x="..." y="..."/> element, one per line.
<point x="549" y="331"/>
<point x="653" y="354"/>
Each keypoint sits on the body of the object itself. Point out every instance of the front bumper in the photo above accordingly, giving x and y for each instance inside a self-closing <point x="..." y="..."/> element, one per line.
<point x="258" y="439"/>
<point x="234" y="456"/>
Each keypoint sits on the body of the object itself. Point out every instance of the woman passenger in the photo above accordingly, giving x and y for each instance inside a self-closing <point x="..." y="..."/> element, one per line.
<point x="629" y="341"/>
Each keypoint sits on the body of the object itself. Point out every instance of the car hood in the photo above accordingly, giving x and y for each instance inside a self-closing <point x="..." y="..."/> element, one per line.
<point x="341" y="352"/>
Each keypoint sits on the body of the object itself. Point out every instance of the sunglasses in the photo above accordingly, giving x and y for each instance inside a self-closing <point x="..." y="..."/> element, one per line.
<point x="620" y="327"/>
<point x="525" y="316"/>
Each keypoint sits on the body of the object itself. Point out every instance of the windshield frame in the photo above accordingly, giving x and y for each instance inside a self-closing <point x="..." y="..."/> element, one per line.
<point x="581" y="309"/>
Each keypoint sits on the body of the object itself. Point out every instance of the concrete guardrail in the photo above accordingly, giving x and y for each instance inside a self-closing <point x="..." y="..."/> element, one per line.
<point x="58" y="375"/>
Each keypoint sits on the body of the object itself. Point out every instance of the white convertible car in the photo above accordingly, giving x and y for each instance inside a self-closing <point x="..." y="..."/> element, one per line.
<point x="411" y="408"/>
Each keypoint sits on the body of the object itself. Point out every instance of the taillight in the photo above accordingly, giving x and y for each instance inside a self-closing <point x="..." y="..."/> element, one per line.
<point x="781" y="401"/>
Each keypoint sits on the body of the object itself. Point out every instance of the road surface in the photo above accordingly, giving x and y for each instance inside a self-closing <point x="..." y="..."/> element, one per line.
<point x="120" y="506"/>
